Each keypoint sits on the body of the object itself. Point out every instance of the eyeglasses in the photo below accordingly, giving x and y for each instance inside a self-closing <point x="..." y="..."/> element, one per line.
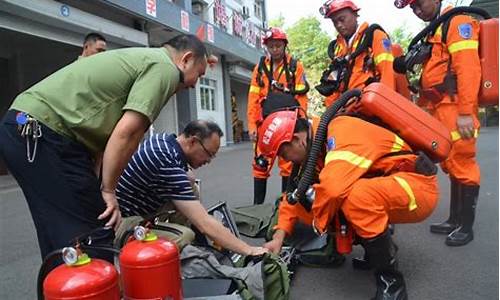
<point x="210" y="155"/>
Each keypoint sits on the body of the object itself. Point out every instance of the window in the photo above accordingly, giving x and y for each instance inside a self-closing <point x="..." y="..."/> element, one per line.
<point x="207" y="94"/>
<point x="257" y="8"/>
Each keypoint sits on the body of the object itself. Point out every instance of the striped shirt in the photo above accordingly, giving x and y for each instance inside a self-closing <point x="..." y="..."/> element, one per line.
<point x="155" y="174"/>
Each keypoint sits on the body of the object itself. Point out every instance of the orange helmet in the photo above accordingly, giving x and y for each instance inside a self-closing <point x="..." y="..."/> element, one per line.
<point x="274" y="33"/>
<point x="332" y="6"/>
<point x="403" y="3"/>
<point x="276" y="129"/>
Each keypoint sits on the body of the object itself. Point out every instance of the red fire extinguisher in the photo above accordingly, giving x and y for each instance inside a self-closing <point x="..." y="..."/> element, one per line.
<point x="343" y="234"/>
<point x="150" y="267"/>
<point x="81" y="278"/>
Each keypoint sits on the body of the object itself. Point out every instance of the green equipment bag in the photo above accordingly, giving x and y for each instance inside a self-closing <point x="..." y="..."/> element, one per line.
<point x="179" y="234"/>
<point x="323" y="255"/>
<point x="263" y="277"/>
<point x="276" y="278"/>
<point x="253" y="221"/>
<point x="273" y="220"/>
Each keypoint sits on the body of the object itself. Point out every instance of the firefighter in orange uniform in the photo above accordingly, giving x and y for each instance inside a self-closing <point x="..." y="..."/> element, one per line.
<point x="372" y="64"/>
<point x="456" y="108"/>
<point x="369" y="173"/>
<point x="277" y="73"/>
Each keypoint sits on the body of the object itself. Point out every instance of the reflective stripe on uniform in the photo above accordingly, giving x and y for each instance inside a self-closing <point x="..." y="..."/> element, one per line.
<point x="455" y="135"/>
<point x="398" y="144"/>
<point x="439" y="31"/>
<point x="383" y="57"/>
<point x="404" y="184"/>
<point x="349" y="157"/>
<point x="463" y="45"/>
<point x="355" y="45"/>
<point x="300" y="87"/>
<point x="254" y="89"/>
<point x="337" y="50"/>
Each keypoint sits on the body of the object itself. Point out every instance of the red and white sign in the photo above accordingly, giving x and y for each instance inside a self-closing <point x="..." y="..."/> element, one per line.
<point x="251" y="34"/>
<point x="237" y="24"/>
<point x="220" y="15"/>
<point x="151" y="7"/>
<point x="184" y="20"/>
<point x="210" y="33"/>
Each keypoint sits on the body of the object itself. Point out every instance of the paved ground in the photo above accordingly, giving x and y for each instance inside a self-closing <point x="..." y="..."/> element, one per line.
<point x="432" y="270"/>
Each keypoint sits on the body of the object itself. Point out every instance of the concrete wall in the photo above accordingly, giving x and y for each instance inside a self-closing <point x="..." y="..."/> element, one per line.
<point x="27" y="60"/>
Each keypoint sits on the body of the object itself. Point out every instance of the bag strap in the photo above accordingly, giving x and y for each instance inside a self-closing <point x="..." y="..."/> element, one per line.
<point x="433" y="26"/>
<point x="262" y="68"/>
<point x="331" y="49"/>
<point x="365" y="44"/>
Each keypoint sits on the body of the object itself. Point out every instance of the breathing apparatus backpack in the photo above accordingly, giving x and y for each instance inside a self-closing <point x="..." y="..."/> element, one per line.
<point x="419" y="51"/>
<point x="425" y="134"/>
<point x="341" y="67"/>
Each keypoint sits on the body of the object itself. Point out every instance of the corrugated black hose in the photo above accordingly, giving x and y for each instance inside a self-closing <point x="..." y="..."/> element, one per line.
<point x="319" y="141"/>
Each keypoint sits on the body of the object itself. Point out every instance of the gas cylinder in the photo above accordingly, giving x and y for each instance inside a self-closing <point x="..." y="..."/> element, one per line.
<point x="415" y="126"/>
<point x="343" y="234"/>
<point x="150" y="267"/>
<point x="82" y="278"/>
<point x="488" y="53"/>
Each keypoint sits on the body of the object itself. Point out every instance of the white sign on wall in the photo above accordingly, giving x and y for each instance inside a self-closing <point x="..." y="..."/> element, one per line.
<point x="210" y="33"/>
<point x="184" y="20"/>
<point x="151" y="7"/>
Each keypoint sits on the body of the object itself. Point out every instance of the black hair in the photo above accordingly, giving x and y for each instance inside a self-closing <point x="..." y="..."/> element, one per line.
<point x="188" y="42"/>
<point x="93" y="37"/>
<point x="301" y="125"/>
<point x="202" y="129"/>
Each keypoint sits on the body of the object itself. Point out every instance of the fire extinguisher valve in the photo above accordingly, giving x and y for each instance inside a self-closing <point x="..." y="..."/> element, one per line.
<point x="74" y="257"/>
<point x="144" y="234"/>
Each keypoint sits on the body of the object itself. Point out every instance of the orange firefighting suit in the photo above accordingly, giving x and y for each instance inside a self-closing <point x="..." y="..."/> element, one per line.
<point x="461" y="49"/>
<point x="258" y="93"/>
<point x="365" y="177"/>
<point x="379" y="66"/>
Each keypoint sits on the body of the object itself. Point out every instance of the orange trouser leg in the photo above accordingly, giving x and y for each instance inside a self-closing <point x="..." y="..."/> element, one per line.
<point x="461" y="162"/>
<point x="374" y="203"/>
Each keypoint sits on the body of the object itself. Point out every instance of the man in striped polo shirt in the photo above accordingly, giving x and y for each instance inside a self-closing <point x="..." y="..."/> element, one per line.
<point x="159" y="172"/>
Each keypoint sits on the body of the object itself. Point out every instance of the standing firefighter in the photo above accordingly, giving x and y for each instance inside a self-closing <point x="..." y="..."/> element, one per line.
<point x="360" y="177"/>
<point x="360" y="55"/>
<point x="450" y="83"/>
<point x="279" y="73"/>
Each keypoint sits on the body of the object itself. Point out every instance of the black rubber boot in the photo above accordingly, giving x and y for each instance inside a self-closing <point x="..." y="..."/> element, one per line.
<point x="382" y="256"/>
<point x="259" y="190"/>
<point x="455" y="206"/>
<point x="284" y="183"/>
<point x="464" y="234"/>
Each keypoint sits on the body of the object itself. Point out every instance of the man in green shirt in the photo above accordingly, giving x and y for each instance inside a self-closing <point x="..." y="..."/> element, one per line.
<point x="97" y="107"/>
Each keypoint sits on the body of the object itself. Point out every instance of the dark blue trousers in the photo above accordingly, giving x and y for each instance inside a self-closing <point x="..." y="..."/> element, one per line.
<point x="60" y="186"/>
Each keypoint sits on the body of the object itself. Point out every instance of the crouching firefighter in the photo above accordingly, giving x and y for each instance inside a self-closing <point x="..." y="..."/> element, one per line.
<point x="360" y="170"/>
<point x="277" y="74"/>
<point x="360" y="55"/>
<point x="450" y="85"/>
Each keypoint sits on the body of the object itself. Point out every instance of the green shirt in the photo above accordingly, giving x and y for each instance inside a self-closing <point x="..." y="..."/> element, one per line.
<point x="86" y="99"/>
